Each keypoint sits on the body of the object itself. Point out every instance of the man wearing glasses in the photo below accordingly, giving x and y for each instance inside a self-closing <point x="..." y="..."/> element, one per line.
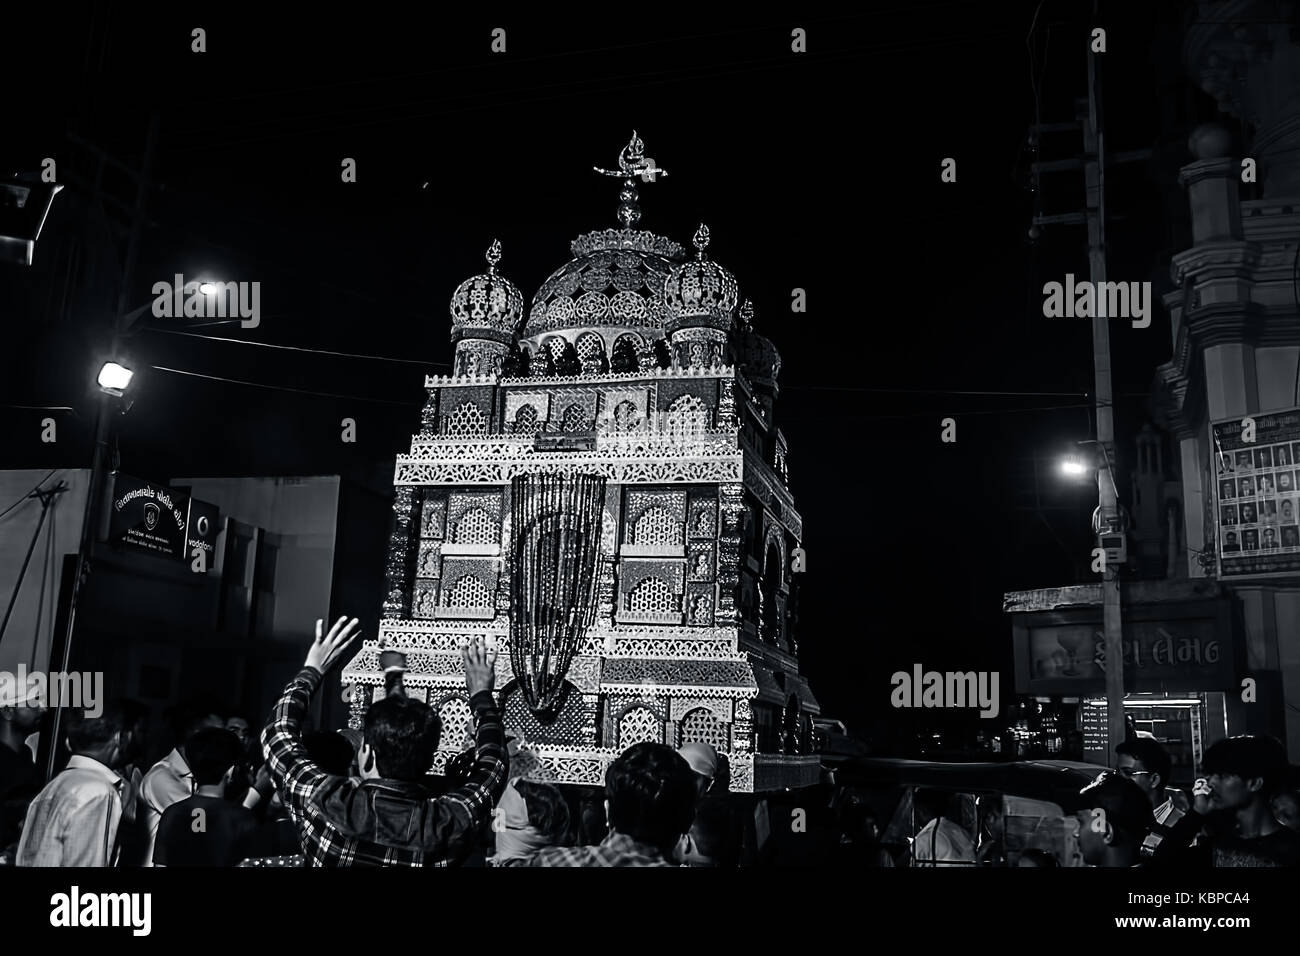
<point x="1144" y="761"/>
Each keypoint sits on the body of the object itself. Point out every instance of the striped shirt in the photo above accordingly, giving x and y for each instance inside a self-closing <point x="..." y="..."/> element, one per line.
<point x="337" y="817"/>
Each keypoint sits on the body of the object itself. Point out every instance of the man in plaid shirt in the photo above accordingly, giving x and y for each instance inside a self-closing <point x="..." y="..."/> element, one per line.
<point x="650" y="800"/>
<point x="386" y="817"/>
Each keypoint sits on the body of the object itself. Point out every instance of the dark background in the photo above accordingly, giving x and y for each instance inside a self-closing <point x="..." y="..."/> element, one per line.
<point x="817" y="171"/>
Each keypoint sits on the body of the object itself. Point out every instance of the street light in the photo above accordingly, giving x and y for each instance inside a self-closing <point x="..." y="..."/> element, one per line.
<point x="114" y="378"/>
<point x="1073" y="467"/>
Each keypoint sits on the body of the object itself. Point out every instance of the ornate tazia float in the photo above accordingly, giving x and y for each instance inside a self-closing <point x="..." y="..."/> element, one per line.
<point x="600" y="486"/>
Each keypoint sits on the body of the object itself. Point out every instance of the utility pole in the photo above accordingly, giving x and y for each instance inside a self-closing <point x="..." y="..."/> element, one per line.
<point x="100" y="454"/>
<point x="1109" y="517"/>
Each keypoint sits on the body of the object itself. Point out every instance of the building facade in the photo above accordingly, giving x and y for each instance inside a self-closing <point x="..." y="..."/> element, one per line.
<point x="1236" y="345"/>
<point x="637" y="363"/>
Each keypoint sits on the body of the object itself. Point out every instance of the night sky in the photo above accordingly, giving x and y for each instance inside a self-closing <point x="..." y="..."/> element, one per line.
<point x="817" y="171"/>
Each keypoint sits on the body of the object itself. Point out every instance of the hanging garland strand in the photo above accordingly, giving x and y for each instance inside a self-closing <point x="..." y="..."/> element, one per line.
<point x="555" y="570"/>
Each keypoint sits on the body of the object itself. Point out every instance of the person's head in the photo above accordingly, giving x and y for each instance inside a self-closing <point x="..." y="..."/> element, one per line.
<point x="1243" y="771"/>
<point x="991" y="815"/>
<point x="530" y="816"/>
<point x="238" y="725"/>
<point x="703" y="761"/>
<point x="104" y="738"/>
<point x="713" y="839"/>
<point x="195" y="714"/>
<point x="1115" y="821"/>
<point x="1144" y="761"/>
<point x="21" y="707"/>
<point x="1287" y="509"/>
<point x="399" y="738"/>
<point x="538" y="806"/>
<point x="1035" y="857"/>
<point x="211" y="753"/>
<point x="930" y="804"/>
<point x="650" y="795"/>
<point x="1285" y="803"/>
<point x="329" y="751"/>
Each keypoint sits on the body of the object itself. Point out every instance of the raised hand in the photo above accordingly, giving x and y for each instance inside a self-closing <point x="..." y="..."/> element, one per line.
<point x="326" y="650"/>
<point x="480" y="661"/>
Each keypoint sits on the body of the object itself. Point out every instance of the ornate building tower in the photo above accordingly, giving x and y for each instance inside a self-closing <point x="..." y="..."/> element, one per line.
<point x="635" y="379"/>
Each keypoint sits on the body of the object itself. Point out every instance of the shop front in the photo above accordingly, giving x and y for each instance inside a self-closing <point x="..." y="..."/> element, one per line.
<point x="1183" y="666"/>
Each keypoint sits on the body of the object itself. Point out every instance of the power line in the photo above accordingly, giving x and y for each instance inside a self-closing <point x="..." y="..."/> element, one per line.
<point x="298" y="348"/>
<point x="281" y="388"/>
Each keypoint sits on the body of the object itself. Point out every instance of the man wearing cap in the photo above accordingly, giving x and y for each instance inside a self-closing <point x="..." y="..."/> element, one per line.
<point x="20" y="716"/>
<point x="703" y="761"/>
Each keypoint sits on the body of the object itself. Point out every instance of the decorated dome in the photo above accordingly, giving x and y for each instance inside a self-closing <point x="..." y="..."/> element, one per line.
<point x="756" y="355"/>
<point x="616" y="278"/>
<point x="700" y="292"/>
<point x="486" y="306"/>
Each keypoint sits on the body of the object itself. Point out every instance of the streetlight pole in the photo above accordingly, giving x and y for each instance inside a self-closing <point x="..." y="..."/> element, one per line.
<point x="1095" y="212"/>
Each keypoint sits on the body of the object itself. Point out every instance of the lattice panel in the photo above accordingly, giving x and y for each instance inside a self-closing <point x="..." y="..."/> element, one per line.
<point x="639" y="725"/>
<point x="574" y="419"/>
<point x="574" y="724"/>
<point x="656" y="526"/>
<point x="631" y="465"/>
<point x="466" y="420"/>
<point x="654" y="596"/>
<point x="525" y="420"/>
<point x="467" y="592"/>
<point x="591" y="351"/>
<point x="476" y="526"/>
<point x="725" y="678"/>
<point x="632" y="571"/>
<point x="687" y="418"/>
<point x="455" y="716"/>
<point x="462" y="502"/>
<point x="702" y="727"/>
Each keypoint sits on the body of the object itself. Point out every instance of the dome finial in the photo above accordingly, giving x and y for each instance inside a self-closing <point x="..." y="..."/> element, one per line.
<point x="493" y="256"/>
<point x="701" y="240"/>
<point x="632" y="162"/>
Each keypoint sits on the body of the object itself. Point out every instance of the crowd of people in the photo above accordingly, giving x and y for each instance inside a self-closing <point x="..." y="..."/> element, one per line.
<point x="227" y="796"/>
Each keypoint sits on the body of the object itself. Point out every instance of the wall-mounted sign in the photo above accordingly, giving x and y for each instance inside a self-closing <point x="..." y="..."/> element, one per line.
<point x="1182" y="647"/>
<point x="565" y="441"/>
<point x="160" y="521"/>
<point x="1257" y="494"/>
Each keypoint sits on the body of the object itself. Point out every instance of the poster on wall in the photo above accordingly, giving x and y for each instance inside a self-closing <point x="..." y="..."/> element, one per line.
<point x="1257" y="494"/>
